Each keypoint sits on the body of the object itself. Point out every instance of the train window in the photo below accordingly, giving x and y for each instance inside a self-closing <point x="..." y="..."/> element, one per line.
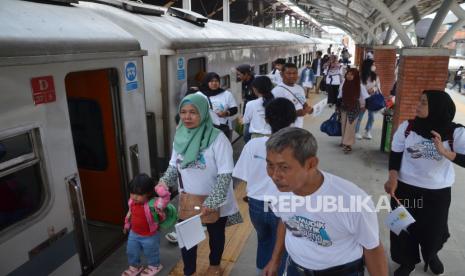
<point x="196" y="68"/>
<point x="22" y="191"/>
<point x="263" y="69"/>
<point x="88" y="136"/>
<point x="295" y="60"/>
<point x="300" y="60"/>
<point x="289" y="59"/>
<point x="225" y="82"/>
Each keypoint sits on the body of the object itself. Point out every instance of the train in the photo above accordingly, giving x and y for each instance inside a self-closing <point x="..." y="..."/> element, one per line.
<point x="89" y="94"/>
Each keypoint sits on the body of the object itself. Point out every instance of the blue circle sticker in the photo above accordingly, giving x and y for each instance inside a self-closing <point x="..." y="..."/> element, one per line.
<point x="131" y="71"/>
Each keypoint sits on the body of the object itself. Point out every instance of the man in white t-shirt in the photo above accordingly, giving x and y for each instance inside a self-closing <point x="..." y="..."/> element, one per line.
<point x="295" y="93"/>
<point x="275" y="74"/>
<point x="325" y="233"/>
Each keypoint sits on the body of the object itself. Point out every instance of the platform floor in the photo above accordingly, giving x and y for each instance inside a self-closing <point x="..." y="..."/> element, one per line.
<point x="366" y="166"/>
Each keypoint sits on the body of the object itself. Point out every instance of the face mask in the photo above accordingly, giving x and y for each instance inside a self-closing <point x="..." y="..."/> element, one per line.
<point x="373" y="68"/>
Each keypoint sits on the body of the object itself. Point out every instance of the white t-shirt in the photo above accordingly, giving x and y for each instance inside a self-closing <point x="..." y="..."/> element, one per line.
<point x="200" y="176"/>
<point x="363" y="94"/>
<point x="255" y="116"/>
<point x="251" y="167"/>
<point x="297" y="97"/>
<point x="318" y="68"/>
<point x="333" y="76"/>
<point x="219" y="103"/>
<point x="276" y="77"/>
<point x="318" y="239"/>
<point x="422" y="165"/>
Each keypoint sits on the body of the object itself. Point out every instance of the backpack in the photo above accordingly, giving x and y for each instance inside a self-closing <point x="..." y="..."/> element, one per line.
<point x="450" y="136"/>
<point x="171" y="215"/>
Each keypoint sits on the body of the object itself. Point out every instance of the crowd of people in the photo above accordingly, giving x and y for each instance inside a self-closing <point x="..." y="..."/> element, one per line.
<point x="280" y="161"/>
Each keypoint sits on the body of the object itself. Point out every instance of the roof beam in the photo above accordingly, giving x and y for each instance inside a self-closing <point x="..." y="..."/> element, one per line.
<point x="437" y="22"/>
<point x="397" y="13"/>
<point x="393" y="21"/>
<point x="449" y="35"/>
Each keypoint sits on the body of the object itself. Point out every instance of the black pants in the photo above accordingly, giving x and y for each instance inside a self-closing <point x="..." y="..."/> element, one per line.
<point x="430" y="208"/>
<point x="333" y="91"/>
<point x="216" y="235"/>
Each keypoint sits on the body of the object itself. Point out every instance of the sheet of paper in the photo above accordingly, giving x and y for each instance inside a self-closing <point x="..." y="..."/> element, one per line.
<point x="399" y="219"/>
<point x="190" y="232"/>
<point x="319" y="107"/>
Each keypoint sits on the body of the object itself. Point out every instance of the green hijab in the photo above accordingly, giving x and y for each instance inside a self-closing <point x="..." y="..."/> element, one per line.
<point x="189" y="142"/>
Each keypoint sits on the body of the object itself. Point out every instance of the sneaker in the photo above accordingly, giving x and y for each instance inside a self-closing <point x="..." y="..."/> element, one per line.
<point x="367" y="135"/>
<point x="358" y="136"/>
<point x="404" y="270"/>
<point x="172" y="237"/>
<point x="435" y="265"/>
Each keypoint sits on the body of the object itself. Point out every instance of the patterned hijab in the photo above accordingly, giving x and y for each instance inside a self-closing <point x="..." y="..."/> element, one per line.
<point x="189" y="142"/>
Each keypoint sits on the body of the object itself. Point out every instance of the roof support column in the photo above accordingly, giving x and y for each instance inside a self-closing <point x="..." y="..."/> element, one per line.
<point x="250" y="12"/>
<point x="449" y="35"/>
<point x="437" y="22"/>
<point x="392" y="21"/>
<point x="261" y="21"/>
<point x="273" y="18"/>
<point x="226" y="15"/>
<point x="388" y="36"/>
<point x="186" y="4"/>
<point x="296" y="24"/>
<point x="417" y="67"/>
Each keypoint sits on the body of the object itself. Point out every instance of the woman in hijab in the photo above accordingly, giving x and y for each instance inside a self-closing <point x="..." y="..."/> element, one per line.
<point x="351" y="97"/>
<point x="221" y="102"/>
<point x="202" y="158"/>
<point x="421" y="174"/>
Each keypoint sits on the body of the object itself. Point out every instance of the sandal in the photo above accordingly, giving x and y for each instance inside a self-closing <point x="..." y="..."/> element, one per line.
<point x="172" y="237"/>
<point x="132" y="271"/>
<point x="151" y="270"/>
<point x="347" y="149"/>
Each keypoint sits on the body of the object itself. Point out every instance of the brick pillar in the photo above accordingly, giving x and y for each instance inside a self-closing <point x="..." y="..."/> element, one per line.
<point x="359" y="54"/>
<point x="419" y="69"/>
<point x="385" y="59"/>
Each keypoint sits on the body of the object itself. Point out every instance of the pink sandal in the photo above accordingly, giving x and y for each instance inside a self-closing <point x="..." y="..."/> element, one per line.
<point x="132" y="271"/>
<point x="151" y="270"/>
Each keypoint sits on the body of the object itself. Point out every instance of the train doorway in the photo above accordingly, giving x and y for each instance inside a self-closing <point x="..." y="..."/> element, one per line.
<point x="94" y="108"/>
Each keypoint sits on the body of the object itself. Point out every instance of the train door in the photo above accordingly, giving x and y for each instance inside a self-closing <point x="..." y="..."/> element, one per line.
<point x="94" y="109"/>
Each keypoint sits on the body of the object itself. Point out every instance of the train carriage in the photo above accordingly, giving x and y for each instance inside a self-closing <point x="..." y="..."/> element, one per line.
<point x="72" y="133"/>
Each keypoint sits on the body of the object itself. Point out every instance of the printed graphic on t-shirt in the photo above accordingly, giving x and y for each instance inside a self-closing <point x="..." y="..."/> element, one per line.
<point x="314" y="231"/>
<point x="199" y="163"/>
<point x="217" y="106"/>
<point x="425" y="149"/>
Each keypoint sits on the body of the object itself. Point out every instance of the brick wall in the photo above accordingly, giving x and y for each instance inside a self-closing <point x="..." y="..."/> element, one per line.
<point x="385" y="59"/>
<point x="415" y="74"/>
<point x="359" y="53"/>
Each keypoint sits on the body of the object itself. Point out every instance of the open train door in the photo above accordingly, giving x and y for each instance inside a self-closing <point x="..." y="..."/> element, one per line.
<point x="106" y="156"/>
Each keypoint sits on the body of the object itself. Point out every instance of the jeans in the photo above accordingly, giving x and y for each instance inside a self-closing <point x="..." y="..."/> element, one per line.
<point x="265" y="224"/>
<point x="459" y="83"/>
<point x="293" y="270"/>
<point x="217" y="238"/>
<point x="150" y="245"/>
<point x="369" y="125"/>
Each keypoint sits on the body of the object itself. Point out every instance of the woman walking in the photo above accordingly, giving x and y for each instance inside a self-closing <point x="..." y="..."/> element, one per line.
<point x="351" y="99"/>
<point x="202" y="163"/>
<point x="421" y="168"/>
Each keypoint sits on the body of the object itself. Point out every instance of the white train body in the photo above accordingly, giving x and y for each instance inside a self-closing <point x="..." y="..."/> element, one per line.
<point x="77" y="82"/>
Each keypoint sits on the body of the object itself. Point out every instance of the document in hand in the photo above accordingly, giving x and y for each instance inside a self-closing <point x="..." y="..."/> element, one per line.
<point x="190" y="232"/>
<point x="319" y="107"/>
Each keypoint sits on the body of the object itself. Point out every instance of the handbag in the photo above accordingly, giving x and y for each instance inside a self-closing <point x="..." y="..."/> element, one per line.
<point x="375" y="102"/>
<point x="332" y="126"/>
<point x="190" y="205"/>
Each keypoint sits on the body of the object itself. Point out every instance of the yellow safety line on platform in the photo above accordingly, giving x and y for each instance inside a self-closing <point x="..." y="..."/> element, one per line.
<point x="236" y="236"/>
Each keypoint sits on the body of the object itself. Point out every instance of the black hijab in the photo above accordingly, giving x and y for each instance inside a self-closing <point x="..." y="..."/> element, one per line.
<point x="441" y="112"/>
<point x="206" y="90"/>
